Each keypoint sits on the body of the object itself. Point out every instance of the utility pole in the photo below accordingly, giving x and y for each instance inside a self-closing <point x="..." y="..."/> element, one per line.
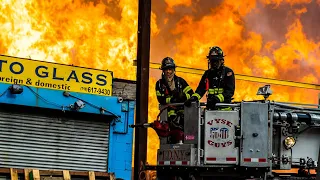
<point x="318" y="170"/>
<point x="142" y="91"/>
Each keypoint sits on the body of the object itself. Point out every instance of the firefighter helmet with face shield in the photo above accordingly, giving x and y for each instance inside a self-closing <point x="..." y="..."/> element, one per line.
<point x="215" y="57"/>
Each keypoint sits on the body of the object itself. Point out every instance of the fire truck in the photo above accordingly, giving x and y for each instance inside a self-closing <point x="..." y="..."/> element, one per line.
<point x="255" y="140"/>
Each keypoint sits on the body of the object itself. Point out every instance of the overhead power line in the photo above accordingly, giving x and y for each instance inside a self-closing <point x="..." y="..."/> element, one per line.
<point x="244" y="77"/>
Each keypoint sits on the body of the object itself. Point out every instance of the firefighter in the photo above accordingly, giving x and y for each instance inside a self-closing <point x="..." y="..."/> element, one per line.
<point x="218" y="81"/>
<point x="172" y="89"/>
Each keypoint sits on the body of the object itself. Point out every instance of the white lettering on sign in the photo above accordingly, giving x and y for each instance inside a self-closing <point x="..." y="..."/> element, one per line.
<point x="189" y="137"/>
<point x="173" y="155"/>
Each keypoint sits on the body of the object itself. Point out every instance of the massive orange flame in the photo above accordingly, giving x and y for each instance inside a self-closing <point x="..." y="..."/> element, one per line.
<point x="80" y="32"/>
<point x="268" y="38"/>
<point x="253" y="45"/>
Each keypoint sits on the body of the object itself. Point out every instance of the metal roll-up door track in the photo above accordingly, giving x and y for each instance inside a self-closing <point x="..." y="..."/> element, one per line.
<point x="34" y="141"/>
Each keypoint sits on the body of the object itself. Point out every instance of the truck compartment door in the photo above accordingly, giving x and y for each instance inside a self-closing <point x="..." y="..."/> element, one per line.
<point x="254" y="127"/>
<point x="219" y="137"/>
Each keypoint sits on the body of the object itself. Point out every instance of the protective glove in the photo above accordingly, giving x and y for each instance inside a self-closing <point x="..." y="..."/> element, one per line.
<point x="211" y="103"/>
<point x="189" y="101"/>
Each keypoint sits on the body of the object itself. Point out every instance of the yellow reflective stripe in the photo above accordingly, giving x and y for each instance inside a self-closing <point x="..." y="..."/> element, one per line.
<point x="225" y="109"/>
<point x="181" y="110"/>
<point x="158" y="93"/>
<point x="215" y="91"/>
<point x="221" y="98"/>
<point x="197" y="95"/>
<point x="186" y="89"/>
<point x="171" y="113"/>
<point x="218" y="90"/>
<point x="168" y="100"/>
<point x="188" y="96"/>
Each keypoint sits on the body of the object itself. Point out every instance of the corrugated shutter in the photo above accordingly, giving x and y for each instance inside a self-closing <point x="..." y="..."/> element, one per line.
<point x="29" y="141"/>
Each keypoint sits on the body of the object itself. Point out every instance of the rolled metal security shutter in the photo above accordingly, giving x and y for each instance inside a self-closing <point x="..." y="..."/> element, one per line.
<point x="34" y="141"/>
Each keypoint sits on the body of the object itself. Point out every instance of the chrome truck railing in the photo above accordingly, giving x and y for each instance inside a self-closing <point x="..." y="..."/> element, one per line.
<point x="204" y="104"/>
<point x="286" y="112"/>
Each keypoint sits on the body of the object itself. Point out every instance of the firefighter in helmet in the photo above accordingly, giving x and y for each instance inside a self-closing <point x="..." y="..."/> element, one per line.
<point x="218" y="81"/>
<point x="171" y="88"/>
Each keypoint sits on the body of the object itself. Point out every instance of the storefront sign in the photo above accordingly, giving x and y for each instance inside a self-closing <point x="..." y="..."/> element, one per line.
<point x="48" y="75"/>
